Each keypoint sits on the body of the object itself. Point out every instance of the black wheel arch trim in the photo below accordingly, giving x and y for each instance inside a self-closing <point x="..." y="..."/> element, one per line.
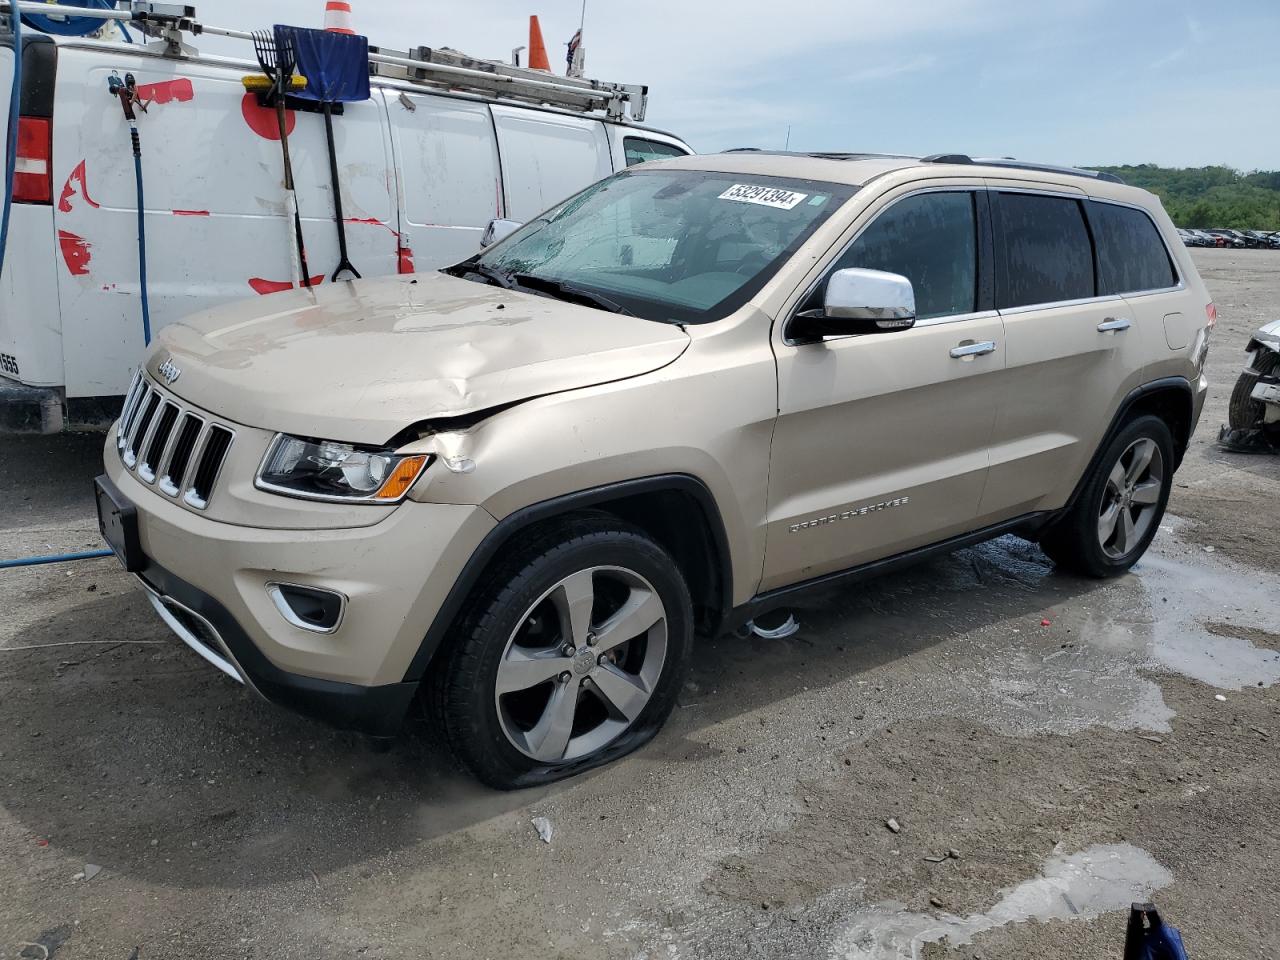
<point x="519" y="520"/>
<point x="1181" y="384"/>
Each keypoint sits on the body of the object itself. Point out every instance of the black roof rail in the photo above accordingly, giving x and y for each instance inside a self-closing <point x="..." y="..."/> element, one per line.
<point x="1013" y="164"/>
<point x="822" y="154"/>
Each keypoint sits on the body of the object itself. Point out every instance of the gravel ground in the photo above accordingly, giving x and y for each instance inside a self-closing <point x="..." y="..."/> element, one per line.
<point x="1047" y="748"/>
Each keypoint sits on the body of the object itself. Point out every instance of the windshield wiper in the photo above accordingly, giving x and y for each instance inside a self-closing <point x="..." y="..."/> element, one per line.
<point x="496" y="277"/>
<point x="570" y="292"/>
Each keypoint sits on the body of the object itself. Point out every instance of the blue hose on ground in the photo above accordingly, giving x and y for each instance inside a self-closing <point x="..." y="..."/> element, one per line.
<point x="11" y="142"/>
<point x="54" y="558"/>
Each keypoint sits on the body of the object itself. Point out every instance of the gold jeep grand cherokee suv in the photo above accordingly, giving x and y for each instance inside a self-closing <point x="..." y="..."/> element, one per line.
<point x="520" y="486"/>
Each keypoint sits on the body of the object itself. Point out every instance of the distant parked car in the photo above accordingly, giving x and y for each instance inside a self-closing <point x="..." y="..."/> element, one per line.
<point x="1249" y="239"/>
<point x="1211" y="239"/>
<point x="1190" y="239"/>
<point x="1265" y="238"/>
<point x="1229" y="239"/>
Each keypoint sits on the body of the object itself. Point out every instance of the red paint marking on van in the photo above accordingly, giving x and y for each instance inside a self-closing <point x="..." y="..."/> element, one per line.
<point x="263" y="287"/>
<point x="405" y="264"/>
<point x="76" y="252"/>
<point x="373" y="222"/>
<point x="167" y="90"/>
<point x="77" y="176"/>
<point x="262" y="121"/>
<point x="191" y="213"/>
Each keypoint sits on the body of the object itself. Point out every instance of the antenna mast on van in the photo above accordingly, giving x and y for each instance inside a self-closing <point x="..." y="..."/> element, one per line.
<point x="438" y="68"/>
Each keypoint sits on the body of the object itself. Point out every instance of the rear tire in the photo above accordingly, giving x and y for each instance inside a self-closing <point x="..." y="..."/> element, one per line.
<point x="569" y="655"/>
<point x="1119" y="510"/>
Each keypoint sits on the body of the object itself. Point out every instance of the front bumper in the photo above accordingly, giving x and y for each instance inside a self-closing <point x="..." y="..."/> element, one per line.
<point x="208" y="628"/>
<point x="209" y="581"/>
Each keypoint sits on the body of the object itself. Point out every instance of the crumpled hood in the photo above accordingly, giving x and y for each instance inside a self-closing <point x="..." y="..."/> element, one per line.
<point x="361" y="361"/>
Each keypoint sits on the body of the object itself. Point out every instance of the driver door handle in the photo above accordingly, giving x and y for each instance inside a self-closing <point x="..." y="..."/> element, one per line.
<point x="1114" y="325"/>
<point x="966" y="350"/>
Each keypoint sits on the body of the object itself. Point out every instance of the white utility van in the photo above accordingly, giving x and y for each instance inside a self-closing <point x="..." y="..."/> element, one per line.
<point x="425" y="166"/>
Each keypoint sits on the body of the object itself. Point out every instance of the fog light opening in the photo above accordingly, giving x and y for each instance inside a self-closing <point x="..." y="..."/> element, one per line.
<point x="308" y="608"/>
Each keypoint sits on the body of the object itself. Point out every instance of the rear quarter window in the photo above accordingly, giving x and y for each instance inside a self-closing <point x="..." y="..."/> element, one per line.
<point x="1131" y="256"/>
<point x="1044" y="251"/>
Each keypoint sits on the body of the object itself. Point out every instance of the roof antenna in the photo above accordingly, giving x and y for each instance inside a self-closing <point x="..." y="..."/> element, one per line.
<point x="787" y="145"/>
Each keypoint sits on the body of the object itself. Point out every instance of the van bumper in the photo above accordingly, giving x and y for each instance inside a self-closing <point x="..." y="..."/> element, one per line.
<point x="25" y="409"/>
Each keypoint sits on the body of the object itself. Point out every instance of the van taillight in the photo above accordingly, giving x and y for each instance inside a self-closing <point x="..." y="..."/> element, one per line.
<point x="1211" y="312"/>
<point x="33" y="173"/>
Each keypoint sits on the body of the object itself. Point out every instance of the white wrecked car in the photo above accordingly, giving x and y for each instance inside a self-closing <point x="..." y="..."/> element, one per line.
<point x="1254" y="419"/>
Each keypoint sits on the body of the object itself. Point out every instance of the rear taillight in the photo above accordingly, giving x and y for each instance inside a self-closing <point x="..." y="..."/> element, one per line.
<point x="33" y="172"/>
<point x="1211" y="313"/>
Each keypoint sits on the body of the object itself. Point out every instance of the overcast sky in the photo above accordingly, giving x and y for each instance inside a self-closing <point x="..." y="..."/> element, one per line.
<point x="1175" y="82"/>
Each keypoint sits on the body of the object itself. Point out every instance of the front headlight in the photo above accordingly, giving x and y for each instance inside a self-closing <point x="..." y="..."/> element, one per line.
<point x="325" y="470"/>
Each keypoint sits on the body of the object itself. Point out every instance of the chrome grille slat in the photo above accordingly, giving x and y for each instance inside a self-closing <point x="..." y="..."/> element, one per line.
<point x="127" y="433"/>
<point x="178" y="458"/>
<point x="161" y="440"/>
<point x="126" y="412"/>
<point x="208" y="466"/>
<point x="141" y="429"/>
<point x="158" y="442"/>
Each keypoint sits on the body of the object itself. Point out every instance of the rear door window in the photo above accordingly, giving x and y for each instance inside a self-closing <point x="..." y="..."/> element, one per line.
<point x="640" y="150"/>
<point x="931" y="239"/>
<point x="1044" y="253"/>
<point x="1131" y="256"/>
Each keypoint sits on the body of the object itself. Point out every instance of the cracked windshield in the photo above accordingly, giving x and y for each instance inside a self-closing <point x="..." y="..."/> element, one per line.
<point x="673" y="245"/>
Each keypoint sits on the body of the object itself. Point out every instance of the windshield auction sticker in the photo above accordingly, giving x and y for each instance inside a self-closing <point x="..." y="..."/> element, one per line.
<point x="764" y="196"/>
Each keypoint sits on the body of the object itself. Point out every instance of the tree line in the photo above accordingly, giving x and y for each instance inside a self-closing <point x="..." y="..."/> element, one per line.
<point x="1202" y="197"/>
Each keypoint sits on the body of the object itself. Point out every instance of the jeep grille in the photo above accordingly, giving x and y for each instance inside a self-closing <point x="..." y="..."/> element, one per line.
<point x="165" y="444"/>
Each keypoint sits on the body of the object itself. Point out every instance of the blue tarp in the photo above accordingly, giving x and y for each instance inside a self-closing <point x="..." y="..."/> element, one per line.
<point x="336" y="65"/>
<point x="1152" y="940"/>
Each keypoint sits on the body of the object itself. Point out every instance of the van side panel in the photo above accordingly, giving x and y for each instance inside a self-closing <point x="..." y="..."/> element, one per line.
<point x="215" y="205"/>
<point x="450" y="181"/>
<point x="547" y="157"/>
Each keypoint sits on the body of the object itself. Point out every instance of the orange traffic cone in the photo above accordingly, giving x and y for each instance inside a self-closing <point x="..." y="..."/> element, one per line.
<point x="537" y="49"/>
<point x="337" y="16"/>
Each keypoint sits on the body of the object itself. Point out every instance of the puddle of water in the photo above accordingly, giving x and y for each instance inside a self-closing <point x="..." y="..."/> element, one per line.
<point x="1100" y="879"/>
<point x="1198" y="594"/>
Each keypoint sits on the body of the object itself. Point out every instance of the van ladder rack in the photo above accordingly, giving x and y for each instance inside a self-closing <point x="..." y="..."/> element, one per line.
<point x="436" y="67"/>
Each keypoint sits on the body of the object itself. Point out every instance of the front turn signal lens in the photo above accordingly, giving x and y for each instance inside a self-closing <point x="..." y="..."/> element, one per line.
<point x="402" y="478"/>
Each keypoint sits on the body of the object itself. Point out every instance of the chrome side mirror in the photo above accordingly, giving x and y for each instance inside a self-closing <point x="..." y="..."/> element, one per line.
<point x="859" y="301"/>
<point x="499" y="230"/>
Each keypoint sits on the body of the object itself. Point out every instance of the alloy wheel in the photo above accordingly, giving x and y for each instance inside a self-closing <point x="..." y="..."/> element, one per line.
<point x="582" y="664"/>
<point x="1131" y="498"/>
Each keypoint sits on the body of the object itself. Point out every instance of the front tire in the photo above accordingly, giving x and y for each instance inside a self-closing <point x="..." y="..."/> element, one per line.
<point x="570" y="654"/>
<point x="1119" y="510"/>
